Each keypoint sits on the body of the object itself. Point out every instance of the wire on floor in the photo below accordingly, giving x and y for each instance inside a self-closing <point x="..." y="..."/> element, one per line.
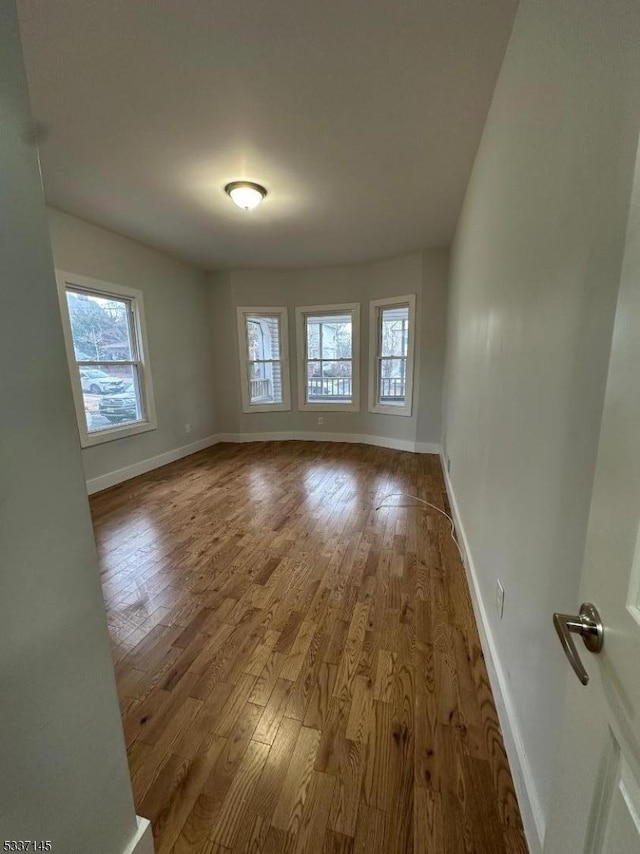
<point x="452" y="532"/>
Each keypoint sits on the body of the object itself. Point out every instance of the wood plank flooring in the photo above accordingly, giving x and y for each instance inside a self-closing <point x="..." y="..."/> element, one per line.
<point x="297" y="671"/>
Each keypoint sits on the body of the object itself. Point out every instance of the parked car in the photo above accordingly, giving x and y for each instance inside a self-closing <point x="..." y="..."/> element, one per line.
<point x="96" y="381"/>
<point x="120" y="407"/>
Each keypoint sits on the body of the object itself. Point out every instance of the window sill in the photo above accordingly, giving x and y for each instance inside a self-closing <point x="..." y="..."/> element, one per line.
<point x="329" y="407"/>
<point x="266" y="407"/>
<point x="109" y="435"/>
<point x="391" y="410"/>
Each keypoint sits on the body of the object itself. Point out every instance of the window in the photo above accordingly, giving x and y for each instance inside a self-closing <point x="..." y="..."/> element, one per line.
<point x="391" y="337"/>
<point x="106" y="346"/>
<point x="263" y="339"/>
<point x="328" y="357"/>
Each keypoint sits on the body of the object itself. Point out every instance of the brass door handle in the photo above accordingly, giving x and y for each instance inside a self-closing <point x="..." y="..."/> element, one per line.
<point x="589" y="626"/>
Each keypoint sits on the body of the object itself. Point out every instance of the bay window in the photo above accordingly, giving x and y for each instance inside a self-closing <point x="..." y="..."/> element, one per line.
<point x="328" y="357"/>
<point x="263" y="341"/>
<point x="391" y="347"/>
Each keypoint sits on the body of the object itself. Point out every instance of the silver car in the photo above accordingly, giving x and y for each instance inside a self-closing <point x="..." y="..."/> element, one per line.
<point x="96" y="381"/>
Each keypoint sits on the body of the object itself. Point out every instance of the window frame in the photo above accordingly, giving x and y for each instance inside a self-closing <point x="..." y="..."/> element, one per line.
<point x="71" y="281"/>
<point x="375" y="315"/>
<point x="243" y="352"/>
<point x="301" y="341"/>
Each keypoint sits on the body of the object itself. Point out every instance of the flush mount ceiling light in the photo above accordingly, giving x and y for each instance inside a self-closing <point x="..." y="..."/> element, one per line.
<point x="245" y="194"/>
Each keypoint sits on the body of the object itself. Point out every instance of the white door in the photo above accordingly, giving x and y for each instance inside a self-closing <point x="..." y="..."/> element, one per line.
<point x="596" y="807"/>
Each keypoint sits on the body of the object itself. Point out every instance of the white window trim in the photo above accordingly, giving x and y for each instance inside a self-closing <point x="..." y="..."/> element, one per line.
<point x="71" y="280"/>
<point x="301" y="342"/>
<point x="374" y="344"/>
<point x="243" y="351"/>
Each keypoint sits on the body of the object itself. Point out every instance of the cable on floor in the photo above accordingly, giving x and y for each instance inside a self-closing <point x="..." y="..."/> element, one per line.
<point x="452" y="532"/>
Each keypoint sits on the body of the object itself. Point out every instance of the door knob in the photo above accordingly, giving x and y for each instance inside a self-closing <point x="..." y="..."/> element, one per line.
<point x="589" y="626"/>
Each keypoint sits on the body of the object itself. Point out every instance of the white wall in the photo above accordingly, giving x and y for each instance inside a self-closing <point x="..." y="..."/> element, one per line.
<point x="430" y="354"/>
<point x="64" y="769"/>
<point x="534" y="277"/>
<point x="177" y="313"/>
<point x="423" y="274"/>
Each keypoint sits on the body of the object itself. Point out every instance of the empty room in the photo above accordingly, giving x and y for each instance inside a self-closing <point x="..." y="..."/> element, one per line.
<point x="320" y="427"/>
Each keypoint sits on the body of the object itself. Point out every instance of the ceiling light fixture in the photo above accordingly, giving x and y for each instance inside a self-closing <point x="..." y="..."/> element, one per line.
<point x="245" y="194"/>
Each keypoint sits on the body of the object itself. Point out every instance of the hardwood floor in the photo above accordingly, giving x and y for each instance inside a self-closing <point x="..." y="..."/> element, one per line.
<point x="297" y="671"/>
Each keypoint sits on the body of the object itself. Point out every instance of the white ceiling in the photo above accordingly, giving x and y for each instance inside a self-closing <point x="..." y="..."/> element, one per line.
<point x="361" y="117"/>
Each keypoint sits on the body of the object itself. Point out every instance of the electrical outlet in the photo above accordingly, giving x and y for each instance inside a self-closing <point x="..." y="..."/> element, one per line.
<point x="187" y="428"/>
<point x="499" y="598"/>
<point x="320" y="420"/>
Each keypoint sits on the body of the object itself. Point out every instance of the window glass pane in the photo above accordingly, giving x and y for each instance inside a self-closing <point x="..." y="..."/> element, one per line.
<point x="100" y="327"/>
<point x="111" y="396"/>
<point x="394" y="337"/>
<point x="263" y="337"/>
<point x="313" y="339"/>
<point x="329" y="336"/>
<point x="265" y="383"/>
<point x="392" y="381"/>
<point x="329" y="382"/>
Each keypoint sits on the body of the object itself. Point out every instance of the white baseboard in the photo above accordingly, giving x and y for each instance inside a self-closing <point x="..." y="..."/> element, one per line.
<point x="104" y="481"/>
<point x="428" y="448"/>
<point x="112" y="478"/>
<point x="142" y="842"/>
<point x="316" y="436"/>
<point x="533" y="817"/>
